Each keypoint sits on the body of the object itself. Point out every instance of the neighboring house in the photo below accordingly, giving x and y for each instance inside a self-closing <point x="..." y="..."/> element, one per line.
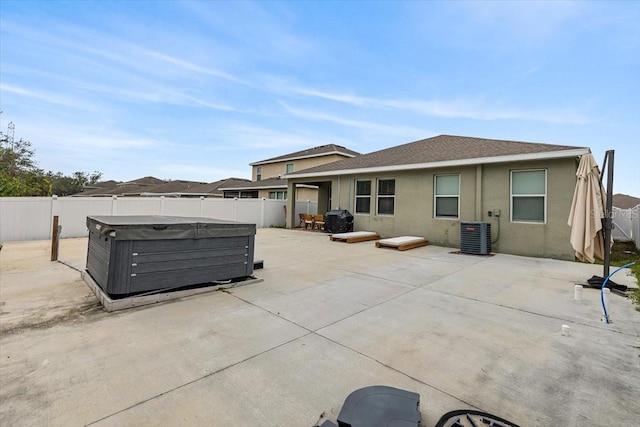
<point x="426" y="188"/>
<point x="267" y="174"/>
<point x="129" y="188"/>
<point x="154" y="187"/>
<point x="624" y="201"/>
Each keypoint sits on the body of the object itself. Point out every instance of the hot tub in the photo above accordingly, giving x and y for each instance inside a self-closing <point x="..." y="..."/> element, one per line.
<point x="130" y="255"/>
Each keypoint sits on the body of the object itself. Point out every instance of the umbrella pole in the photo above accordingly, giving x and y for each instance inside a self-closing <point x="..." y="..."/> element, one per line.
<point x="607" y="221"/>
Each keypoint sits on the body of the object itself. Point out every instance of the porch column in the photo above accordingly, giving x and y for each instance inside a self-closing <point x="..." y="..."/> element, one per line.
<point x="291" y="205"/>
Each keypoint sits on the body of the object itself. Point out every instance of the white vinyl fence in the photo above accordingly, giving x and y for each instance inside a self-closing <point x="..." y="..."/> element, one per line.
<point x="626" y="225"/>
<point x="31" y="218"/>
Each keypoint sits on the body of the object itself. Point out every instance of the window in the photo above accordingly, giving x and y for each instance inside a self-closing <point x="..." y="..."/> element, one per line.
<point x="446" y="196"/>
<point x="258" y="173"/>
<point x="529" y="196"/>
<point x="289" y="168"/>
<point x="249" y="194"/>
<point x="363" y="197"/>
<point x="280" y="195"/>
<point x="386" y="196"/>
<point x="231" y="194"/>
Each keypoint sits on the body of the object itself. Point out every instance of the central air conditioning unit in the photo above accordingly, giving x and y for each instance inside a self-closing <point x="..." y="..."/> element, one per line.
<point x="475" y="238"/>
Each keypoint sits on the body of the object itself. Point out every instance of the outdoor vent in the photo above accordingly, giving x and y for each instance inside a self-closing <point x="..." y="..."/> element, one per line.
<point x="475" y="238"/>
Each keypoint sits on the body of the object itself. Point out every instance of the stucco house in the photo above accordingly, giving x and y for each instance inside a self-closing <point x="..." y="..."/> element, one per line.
<point x="267" y="175"/>
<point x="427" y="187"/>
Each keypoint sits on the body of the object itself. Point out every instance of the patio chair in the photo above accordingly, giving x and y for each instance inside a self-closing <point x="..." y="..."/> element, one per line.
<point x="308" y="222"/>
<point x="318" y="222"/>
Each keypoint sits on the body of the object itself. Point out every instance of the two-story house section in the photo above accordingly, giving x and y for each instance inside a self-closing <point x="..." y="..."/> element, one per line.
<point x="266" y="174"/>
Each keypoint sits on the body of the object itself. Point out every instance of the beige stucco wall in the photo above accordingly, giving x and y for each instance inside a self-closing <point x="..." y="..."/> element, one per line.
<point x="302" y="193"/>
<point x="549" y="240"/>
<point x="482" y="188"/>
<point x="272" y="170"/>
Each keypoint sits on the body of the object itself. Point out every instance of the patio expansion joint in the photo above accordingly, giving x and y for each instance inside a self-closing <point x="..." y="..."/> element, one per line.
<point x="316" y="333"/>
<point x="196" y="380"/>
<point x="521" y="310"/>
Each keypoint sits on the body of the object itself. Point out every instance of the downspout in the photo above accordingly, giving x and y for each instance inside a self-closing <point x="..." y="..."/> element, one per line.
<point x="339" y="191"/>
<point x="478" y="193"/>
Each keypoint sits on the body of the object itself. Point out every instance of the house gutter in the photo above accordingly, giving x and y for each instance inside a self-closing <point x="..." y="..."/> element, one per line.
<point x="266" y="187"/>
<point x="449" y="163"/>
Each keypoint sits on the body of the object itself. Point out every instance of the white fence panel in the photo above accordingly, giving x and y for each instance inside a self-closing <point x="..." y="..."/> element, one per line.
<point x="31" y="218"/>
<point x="219" y="209"/>
<point x="249" y="211"/>
<point x="622" y="225"/>
<point x="172" y="206"/>
<point x="275" y="213"/>
<point x="25" y="218"/>
<point x="626" y="225"/>
<point x="137" y="206"/>
<point x="73" y="212"/>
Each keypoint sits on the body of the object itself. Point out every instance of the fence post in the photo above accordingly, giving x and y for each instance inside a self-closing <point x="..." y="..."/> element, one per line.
<point x="308" y="206"/>
<point x="262" y="207"/>
<point x="55" y="239"/>
<point x="201" y="206"/>
<point x="235" y="208"/>
<point x="54" y="210"/>
<point x="161" y="205"/>
<point x="114" y="202"/>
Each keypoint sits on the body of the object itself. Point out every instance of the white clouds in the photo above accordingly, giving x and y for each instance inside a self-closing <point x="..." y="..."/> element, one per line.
<point x="198" y="172"/>
<point x="46" y="96"/>
<point x="137" y="83"/>
<point x="464" y="109"/>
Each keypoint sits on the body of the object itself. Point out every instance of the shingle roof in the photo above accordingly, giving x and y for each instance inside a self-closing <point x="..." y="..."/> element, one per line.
<point x="311" y="152"/>
<point x="254" y="185"/>
<point x="147" y="180"/>
<point x="215" y="187"/>
<point x="176" y="186"/>
<point x="440" y="148"/>
<point x="624" y="201"/>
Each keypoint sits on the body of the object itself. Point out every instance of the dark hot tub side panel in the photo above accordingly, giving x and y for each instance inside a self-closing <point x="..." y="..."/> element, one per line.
<point x="125" y="267"/>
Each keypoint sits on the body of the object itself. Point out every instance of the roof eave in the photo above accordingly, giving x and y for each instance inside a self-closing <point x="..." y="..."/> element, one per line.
<point x="283" y="186"/>
<point x="449" y="163"/>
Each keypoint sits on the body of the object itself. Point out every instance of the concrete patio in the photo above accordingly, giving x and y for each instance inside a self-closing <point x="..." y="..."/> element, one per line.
<point x="330" y="317"/>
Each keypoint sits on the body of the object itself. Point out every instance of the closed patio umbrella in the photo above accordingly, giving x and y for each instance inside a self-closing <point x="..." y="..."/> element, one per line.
<point x="587" y="211"/>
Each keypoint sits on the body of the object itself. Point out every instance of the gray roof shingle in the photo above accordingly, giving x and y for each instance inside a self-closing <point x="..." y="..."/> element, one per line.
<point x="310" y="152"/>
<point x="440" y="148"/>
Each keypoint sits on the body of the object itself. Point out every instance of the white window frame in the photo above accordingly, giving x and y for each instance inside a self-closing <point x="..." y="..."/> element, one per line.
<point x="435" y="196"/>
<point x="277" y="193"/>
<point x="378" y="196"/>
<point x="286" y="168"/>
<point x="355" y="201"/>
<point x="544" y="196"/>
<point x="258" y="173"/>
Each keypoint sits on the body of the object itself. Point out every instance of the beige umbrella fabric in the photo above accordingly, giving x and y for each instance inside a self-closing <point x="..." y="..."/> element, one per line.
<point x="587" y="211"/>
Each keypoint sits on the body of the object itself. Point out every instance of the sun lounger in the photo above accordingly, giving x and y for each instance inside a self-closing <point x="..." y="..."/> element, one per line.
<point x="402" y="243"/>
<point x="355" y="236"/>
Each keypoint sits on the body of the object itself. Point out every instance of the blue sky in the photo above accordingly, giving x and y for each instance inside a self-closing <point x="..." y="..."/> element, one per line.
<point x="199" y="89"/>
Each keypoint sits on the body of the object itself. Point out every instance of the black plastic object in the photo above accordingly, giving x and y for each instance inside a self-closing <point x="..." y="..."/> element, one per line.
<point x="258" y="264"/>
<point x="380" y="406"/>
<point x="338" y="221"/>
<point x="596" y="282"/>
<point x="471" y="418"/>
